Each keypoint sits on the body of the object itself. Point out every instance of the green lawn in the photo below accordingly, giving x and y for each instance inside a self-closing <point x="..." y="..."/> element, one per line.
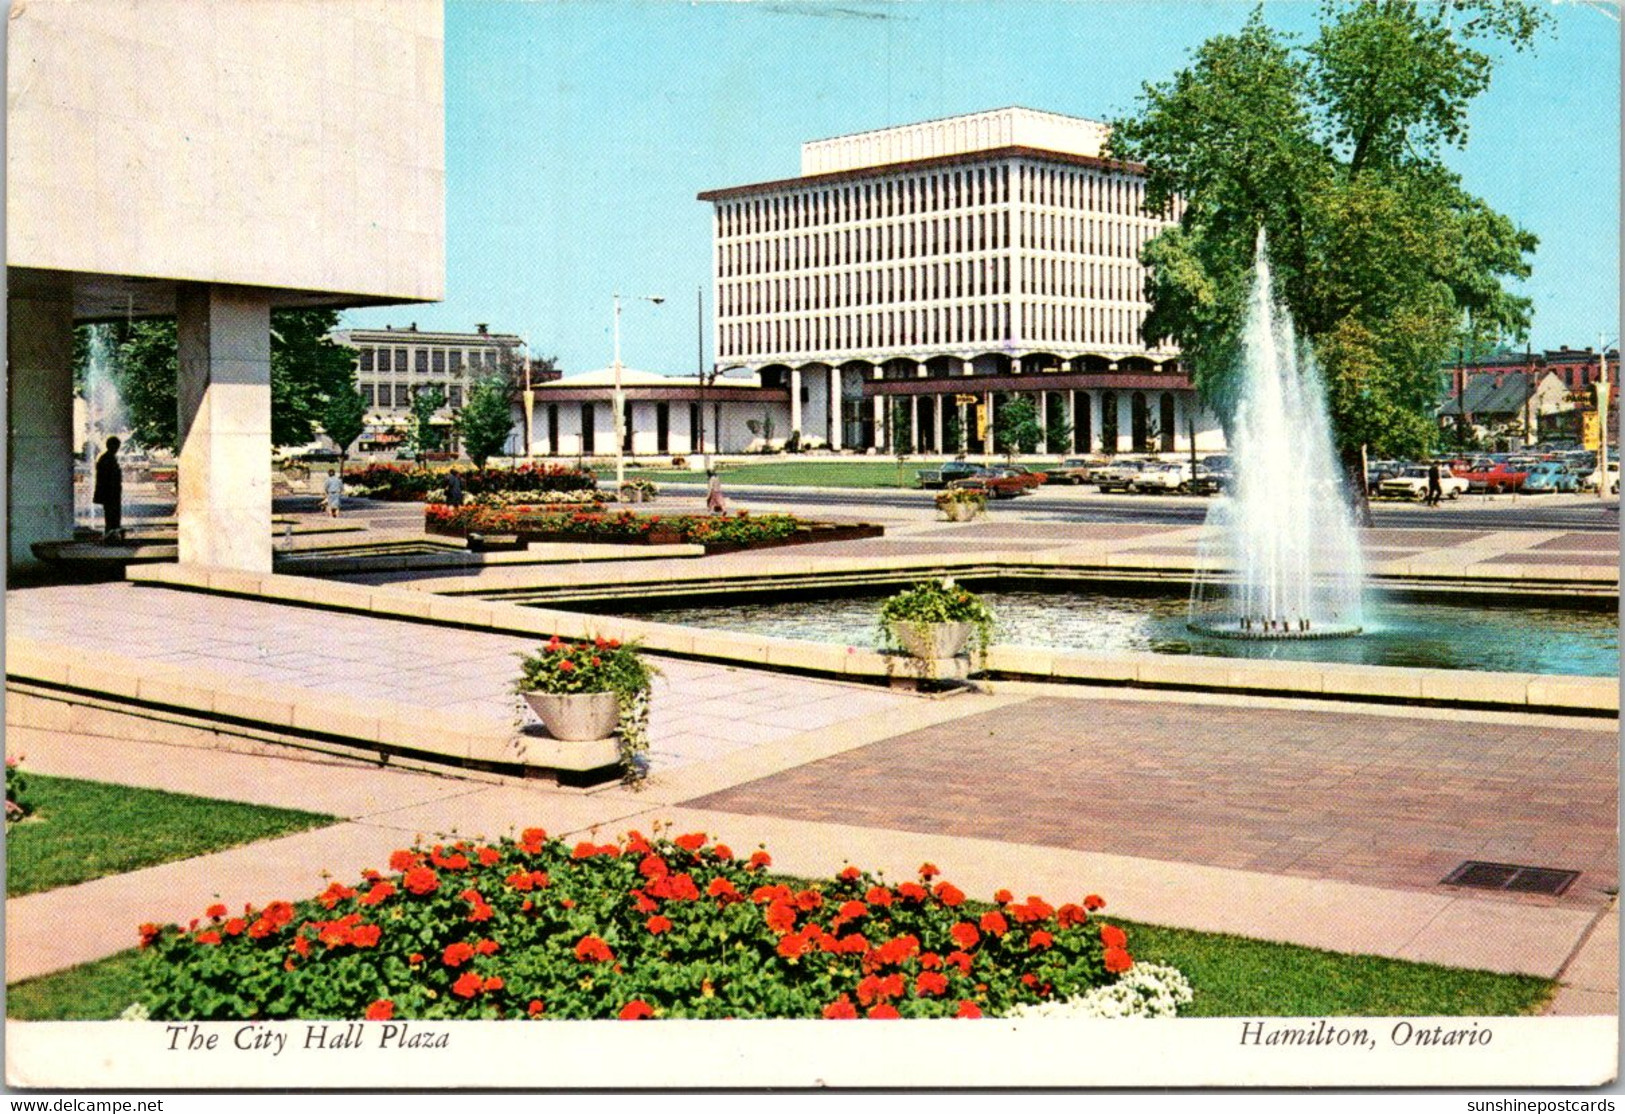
<point x="881" y="472"/>
<point x="1232" y="977"/>
<point x="87" y="829"/>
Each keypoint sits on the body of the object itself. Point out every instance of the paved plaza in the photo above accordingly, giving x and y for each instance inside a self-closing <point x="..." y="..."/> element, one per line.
<point x="1192" y="809"/>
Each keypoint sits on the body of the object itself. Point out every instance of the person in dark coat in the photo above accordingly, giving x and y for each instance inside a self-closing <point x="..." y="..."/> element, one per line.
<point x="109" y="491"/>
<point x="1435" y="485"/>
<point x="454" y="489"/>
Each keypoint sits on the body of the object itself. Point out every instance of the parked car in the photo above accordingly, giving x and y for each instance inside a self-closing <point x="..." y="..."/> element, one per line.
<point x="1075" y="469"/>
<point x="996" y="483"/>
<point x="942" y="477"/>
<point x="1378" y="470"/>
<point x="317" y="456"/>
<point x="1550" y="476"/>
<point x="1494" y="477"/>
<point x="1162" y="477"/>
<point x="1116" y="476"/>
<point x="1412" y="483"/>
<point x="1033" y="480"/>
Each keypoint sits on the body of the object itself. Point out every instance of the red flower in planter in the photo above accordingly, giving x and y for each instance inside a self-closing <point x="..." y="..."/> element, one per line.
<point x="531" y="840"/>
<point x="150" y="934"/>
<point x="590" y="949"/>
<point x="691" y="842"/>
<point x="808" y="900"/>
<point x="793" y="944"/>
<point x="1118" y="960"/>
<point x="468" y="986"/>
<point x="404" y="861"/>
<point x="878" y="895"/>
<point x="965" y="934"/>
<point x="949" y="894"/>
<point x="235" y="926"/>
<point x="724" y="890"/>
<point x="884" y="1013"/>
<point x="994" y="924"/>
<point x="208" y="937"/>
<point x="421" y="880"/>
<point x="1039" y="939"/>
<point x="849" y="911"/>
<point x="642" y="903"/>
<point x="929" y="871"/>
<point x="335" y="893"/>
<point x="494" y="983"/>
<point x="489" y="856"/>
<point x="653" y="866"/>
<point x="487" y="947"/>
<point x="930" y="961"/>
<point x="535" y="1008"/>
<point x="912" y="891"/>
<point x="636" y="844"/>
<point x="1093" y="902"/>
<point x="366" y="935"/>
<point x="840" y="1010"/>
<point x="454" y="861"/>
<point x="1004" y="897"/>
<point x="381" y="1010"/>
<point x="967" y="1008"/>
<point x="962" y="961"/>
<point x="301" y="944"/>
<point x="567" y="666"/>
<point x="850" y="874"/>
<point x="216" y="911"/>
<point x="456" y="954"/>
<point x="781" y="917"/>
<point x="930" y="983"/>
<point x="761" y="895"/>
<point x="657" y="925"/>
<point x="1113" y="937"/>
<point x="722" y="851"/>
<point x="894" y="951"/>
<point x="636" y="1010"/>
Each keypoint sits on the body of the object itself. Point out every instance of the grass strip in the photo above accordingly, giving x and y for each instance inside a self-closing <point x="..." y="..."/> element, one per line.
<point x="83" y="830"/>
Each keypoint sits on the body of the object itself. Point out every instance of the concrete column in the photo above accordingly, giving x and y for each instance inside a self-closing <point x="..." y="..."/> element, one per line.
<point x="834" y="403"/>
<point x="39" y="420"/>
<point x="942" y="401"/>
<point x="1125" y="421"/>
<point x="988" y="447"/>
<point x="882" y="434"/>
<point x="795" y="400"/>
<point x="224" y="393"/>
<point x="1043" y="421"/>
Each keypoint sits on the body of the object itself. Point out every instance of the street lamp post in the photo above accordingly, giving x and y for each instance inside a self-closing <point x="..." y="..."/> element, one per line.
<point x="1602" y="417"/>
<point x="620" y="404"/>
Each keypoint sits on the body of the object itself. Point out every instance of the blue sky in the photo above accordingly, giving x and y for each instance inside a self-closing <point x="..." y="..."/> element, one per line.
<point x="579" y="131"/>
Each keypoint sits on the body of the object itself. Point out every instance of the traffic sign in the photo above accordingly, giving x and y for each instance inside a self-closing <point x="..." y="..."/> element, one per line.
<point x="965" y="400"/>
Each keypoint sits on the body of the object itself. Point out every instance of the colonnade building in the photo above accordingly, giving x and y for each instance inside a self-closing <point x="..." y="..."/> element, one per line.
<point x="914" y="277"/>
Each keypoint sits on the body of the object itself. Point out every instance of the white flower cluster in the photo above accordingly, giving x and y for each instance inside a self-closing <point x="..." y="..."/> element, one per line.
<point x="1145" y="990"/>
<point x="529" y="498"/>
<point x="135" y="1011"/>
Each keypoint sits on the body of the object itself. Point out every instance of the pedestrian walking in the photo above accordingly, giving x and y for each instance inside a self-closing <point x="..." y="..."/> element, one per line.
<point x="109" y="492"/>
<point x="1435" y="486"/>
<point x="333" y="492"/>
<point x="714" y="502"/>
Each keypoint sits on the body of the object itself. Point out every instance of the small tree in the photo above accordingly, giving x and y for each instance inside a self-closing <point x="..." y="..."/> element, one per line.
<point x="953" y="431"/>
<point x="423" y="435"/>
<point x="1058" y="426"/>
<point x="486" y="421"/>
<point x="343" y="420"/>
<point x="902" y="426"/>
<point x="1015" y="426"/>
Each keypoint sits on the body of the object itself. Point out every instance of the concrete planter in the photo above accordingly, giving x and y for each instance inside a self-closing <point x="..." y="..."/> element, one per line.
<point x="576" y="716"/>
<point x="961" y="512"/>
<point x="932" y="641"/>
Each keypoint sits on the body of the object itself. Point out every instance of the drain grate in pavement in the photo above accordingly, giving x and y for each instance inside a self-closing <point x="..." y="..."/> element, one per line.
<point x="1516" y="879"/>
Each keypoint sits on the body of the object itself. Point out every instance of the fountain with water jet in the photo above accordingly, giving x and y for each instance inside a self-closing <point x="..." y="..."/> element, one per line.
<point x="1284" y="529"/>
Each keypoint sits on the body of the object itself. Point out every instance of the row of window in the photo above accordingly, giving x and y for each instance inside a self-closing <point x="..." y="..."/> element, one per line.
<point x="587" y="427"/>
<point x="425" y="361"/>
<point x="398" y="396"/>
<point x="932" y="282"/>
<point x="986" y="322"/>
<point x="939" y="236"/>
<point x="1068" y="187"/>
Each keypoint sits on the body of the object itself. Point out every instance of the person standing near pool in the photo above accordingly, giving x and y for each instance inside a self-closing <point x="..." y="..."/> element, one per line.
<point x="109" y="491"/>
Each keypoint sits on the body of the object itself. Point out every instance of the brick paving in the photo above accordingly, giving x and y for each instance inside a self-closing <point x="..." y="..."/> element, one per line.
<point x="1379" y="800"/>
<point x="1582" y="543"/>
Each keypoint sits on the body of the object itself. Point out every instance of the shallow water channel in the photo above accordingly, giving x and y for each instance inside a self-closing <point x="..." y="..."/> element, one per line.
<point x="1435" y="634"/>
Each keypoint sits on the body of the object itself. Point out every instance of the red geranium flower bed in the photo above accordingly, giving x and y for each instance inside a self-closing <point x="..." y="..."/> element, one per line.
<point x="639" y="928"/>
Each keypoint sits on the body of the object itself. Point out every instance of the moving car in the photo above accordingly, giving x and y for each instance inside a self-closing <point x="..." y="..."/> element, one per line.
<point x="1412" y="483"/>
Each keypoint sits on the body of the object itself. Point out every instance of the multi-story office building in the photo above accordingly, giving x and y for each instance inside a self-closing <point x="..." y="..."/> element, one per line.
<point x="937" y="267"/>
<point x="392" y="365"/>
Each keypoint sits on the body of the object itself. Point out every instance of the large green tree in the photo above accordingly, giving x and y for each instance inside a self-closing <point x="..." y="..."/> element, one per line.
<point x="1387" y="264"/>
<point x="307" y="371"/>
<point x="1015" y="425"/>
<point x="343" y="420"/>
<point x="422" y="434"/>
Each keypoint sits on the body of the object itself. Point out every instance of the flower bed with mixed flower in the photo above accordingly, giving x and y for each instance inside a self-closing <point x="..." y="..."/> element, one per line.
<point x="542" y="524"/>
<point x="638" y="928"/>
<point x="414" y="483"/>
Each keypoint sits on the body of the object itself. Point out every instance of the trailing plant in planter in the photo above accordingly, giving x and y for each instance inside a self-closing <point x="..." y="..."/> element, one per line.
<point x="960" y="504"/>
<point x="18" y="806"/>
<point x="602" y="666"/>
<point x="934" y="603"/>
